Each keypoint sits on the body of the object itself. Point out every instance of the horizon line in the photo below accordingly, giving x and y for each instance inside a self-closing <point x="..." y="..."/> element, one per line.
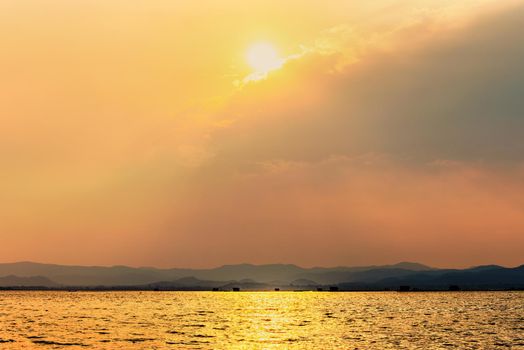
<point x="256" y="265"/>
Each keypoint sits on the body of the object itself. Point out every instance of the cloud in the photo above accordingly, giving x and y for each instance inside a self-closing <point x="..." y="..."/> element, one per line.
<point x="358" y="211"/>
<point x="439" y="96"/>
<point x="412" y="151"/>
<point x="394" y="139"/>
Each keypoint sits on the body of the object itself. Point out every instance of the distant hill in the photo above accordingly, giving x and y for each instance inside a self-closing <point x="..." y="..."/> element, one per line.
<point x="34" y="281"/>
<point x="129" y="276"/>
<point x="410" y="266"/>
<point x="477" y="278"/>
<point x="303" y="282"/>
<point x="189" y="283"/>
<point x="261" y="277"/>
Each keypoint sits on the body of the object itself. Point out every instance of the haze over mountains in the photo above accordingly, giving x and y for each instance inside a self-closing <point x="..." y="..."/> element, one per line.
<point x="247" y="276"/>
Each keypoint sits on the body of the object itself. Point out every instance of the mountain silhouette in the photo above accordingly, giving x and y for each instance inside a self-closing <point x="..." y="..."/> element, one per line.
<point x="130" y="276"/>
<point x="263" y="277"/>
<point x="33" y="281"/>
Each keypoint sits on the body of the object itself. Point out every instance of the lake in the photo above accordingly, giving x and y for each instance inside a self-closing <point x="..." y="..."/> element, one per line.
<point x="261" y="320"/>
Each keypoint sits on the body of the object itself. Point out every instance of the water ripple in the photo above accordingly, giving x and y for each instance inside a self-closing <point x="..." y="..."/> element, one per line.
<point x="187" y="320"/>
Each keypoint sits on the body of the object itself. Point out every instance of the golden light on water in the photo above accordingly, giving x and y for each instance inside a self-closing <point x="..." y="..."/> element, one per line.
<point x="259" y="320"/>
<point x="292" y="145"/>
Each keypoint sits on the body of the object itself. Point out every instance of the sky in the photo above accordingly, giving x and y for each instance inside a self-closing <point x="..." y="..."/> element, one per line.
<point x="367" y="132"/>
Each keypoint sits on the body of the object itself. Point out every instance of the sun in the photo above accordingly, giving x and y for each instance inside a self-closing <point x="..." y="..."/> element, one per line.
<point x="263" y="58"/>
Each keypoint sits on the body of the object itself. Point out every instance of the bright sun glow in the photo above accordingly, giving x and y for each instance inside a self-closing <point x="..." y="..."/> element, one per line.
<point x="263" y="58"/>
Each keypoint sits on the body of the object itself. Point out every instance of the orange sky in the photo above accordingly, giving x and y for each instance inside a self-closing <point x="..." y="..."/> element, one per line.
<point x="136" y="132"/>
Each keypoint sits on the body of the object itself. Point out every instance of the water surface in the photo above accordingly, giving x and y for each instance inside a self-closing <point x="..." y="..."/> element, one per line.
<point x="261" y="320"/>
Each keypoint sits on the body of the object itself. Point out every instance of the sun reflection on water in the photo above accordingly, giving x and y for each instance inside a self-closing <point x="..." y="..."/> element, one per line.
<point x="260" y="320"/>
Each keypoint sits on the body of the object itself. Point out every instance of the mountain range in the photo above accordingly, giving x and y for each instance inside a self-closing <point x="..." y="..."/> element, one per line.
<point x="260" y="277"/>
